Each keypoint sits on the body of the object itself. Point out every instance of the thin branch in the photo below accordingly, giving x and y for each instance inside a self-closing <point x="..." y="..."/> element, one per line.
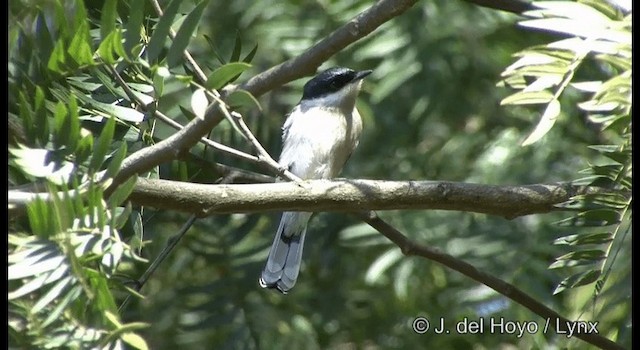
<point x="354" y="195"/>
<point x="510" y="291"/>
<point x="171" y="243"/>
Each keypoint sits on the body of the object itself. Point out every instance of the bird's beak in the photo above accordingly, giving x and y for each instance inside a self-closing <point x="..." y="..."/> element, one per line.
<point x="361" y="75"/>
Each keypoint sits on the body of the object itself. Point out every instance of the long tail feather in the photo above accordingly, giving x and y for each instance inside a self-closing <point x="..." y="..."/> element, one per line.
<point x="285" y="256"/>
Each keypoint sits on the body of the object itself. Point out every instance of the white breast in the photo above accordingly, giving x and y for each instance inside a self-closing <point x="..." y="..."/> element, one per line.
<point x="318" y="142"/>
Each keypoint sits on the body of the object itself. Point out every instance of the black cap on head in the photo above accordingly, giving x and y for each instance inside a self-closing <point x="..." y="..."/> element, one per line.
<point x="331" y="80"/>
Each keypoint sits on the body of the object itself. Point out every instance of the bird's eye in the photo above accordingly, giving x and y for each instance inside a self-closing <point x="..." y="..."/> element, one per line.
<point x="334" y="85"/>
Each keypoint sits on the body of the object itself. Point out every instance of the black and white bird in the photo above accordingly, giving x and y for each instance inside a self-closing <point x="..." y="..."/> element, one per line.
<point x="318" y="137"/>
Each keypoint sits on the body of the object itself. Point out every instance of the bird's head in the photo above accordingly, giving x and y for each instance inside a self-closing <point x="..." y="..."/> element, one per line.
<point x="335" y="87"/>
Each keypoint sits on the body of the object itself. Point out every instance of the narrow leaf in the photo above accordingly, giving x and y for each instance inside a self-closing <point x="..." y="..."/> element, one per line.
<point x="102" y="145"/>
<point x="214" y="50"/>
<point x="577" y="280"/>
<point x="221" y="76"/>
<point x="528" y="97"/>
<point x="545" y="124"/>
<point x="183" y="37"/>
<point x="589" y="238"/>
<point x="133" y="26"/>
<point x="237" y="48"/>
<point x="243" y="98"/>
<point x="108" y="18"/>
<point x="52" y="294"/>
<point x="251" y="54"/>
<point x="115" y="162"/>
<point x="161" y="31"/>
<point x="122" y="192"/>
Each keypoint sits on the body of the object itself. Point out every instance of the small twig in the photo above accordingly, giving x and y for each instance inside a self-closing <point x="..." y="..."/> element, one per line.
<point x="171" y="243"/>
<point x="411" y="248"/>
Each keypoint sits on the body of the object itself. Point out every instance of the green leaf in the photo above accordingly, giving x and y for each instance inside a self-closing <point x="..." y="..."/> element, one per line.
<point x="214" y="50"/>
<point x="115" y="162"/>
<point x="237" y="48"/>
<point x="249" y="57"/>
<point x="161" y="31"/>
<point x="40" y="259"/>
<point x="587" y="254"/>
<point x="84" y="147"/>
<point x="60" y="130"/>
<point x="103" y="300"/>
<point x="25" y="116"/>
<point x="577" y="280"/>
<point x="223" y="75"/>
<point x="585" y="238"/>
<point x="121" y="214"/>
<point x="133" y="26"/>
<point x="121" y="194"/>
<point x="135" y="341"/>
<point x="183" y="37"/>
<point x="106" y="49"/>
<point x="242" y="98"/>
<point x="108" y="18"/>
<point x="57" y="59"/>
<point x="159" y="76"/>
<point x="73" y="124"/>
<point x="102" y="146"/>
<point x="44" y="40"/>
<point x="381" y="264"/>
<point x="54" y="293"/>
<point x="80" y="47"/>
<point x="525" y="97"/>
<point x="120" y="112"/>
<point x="597" y="217"/>
<point x="545" y="124"/>
<point x="41" y="119"/>
<point x="62" y="305"/>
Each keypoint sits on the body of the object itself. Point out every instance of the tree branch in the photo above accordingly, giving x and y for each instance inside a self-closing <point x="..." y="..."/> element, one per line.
<point x="510" y="291"/>
<point x="354" y="195"/>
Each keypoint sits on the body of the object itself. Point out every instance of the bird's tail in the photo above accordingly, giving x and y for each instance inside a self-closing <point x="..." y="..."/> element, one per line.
<point x="285" y="256"/>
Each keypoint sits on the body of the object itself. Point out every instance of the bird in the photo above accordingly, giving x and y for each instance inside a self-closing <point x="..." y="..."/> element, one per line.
<point x="318" y="137"/>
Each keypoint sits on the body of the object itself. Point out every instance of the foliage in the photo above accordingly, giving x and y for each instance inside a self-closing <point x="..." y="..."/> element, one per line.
<point x="89" y="83"/>
<point x="603" y="33"/>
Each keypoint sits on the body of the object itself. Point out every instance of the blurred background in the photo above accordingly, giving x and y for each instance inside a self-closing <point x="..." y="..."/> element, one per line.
<point x="431" y="112"/>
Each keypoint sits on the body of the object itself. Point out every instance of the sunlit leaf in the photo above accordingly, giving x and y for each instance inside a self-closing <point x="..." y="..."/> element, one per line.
<point x="381" y="264"/>
<point x="199" y="103"/>
<point x="108" y="18"/>
<point x="545" y="124"/>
